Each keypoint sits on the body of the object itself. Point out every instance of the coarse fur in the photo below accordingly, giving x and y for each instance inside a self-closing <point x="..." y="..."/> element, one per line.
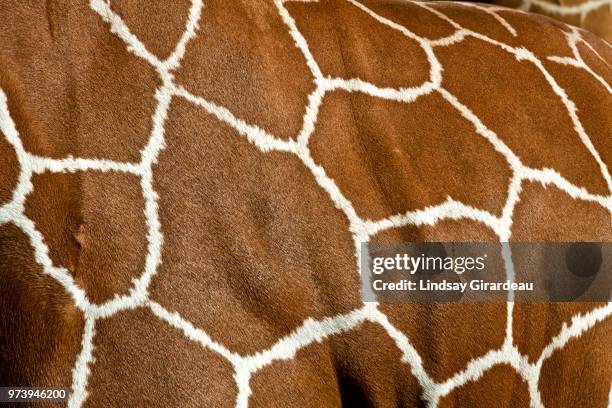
<point x="184" y="190"/>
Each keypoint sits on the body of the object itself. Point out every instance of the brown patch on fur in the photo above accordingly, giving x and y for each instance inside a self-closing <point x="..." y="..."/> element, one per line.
<point x="552" y="138"/>
<point x="40" y="328"/>
<point x="331" y="28"/>
<point x="361" y="367"/>
<point x="500" y="384"/>
<point x="73" y="90"/>
<point x="9" y="170"/>
<point x="535" y="324"/>
<point x="435" y="329"/>
<point x="242" y="59"/>
<point x="449" y="335"/>
<point x="369" y="367"/>
<point x="73" y="212"/>
<point x="603" y="48"/>
<point x="261" y="247"/>
<point x="443" y="231"/>
<point x="596" y="118"/>
<point x="476" y="20"/>
<point x="308" y="380"/>
<point x="597" y="55"/>
<point x="390" y="148"/>
<point x="161" y="30"/>
<point x="420" y="21"/>
<point x="547" y="214"/>
<point x="550" y="215"/>
<point x="579" y="374"/>
<point x="532" y="28"/>
<point x="166" y="369"/>
<point x="57" y="195"/>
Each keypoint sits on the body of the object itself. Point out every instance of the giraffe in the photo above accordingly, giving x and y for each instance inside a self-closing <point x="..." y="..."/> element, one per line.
<point x="593" y="15"/>
<point x="185" y="190"/>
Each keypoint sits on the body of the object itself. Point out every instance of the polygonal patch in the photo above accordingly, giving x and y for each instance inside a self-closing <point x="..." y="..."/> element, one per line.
<point x="166" y="369"/>
<point x="242" y="59"/>
<point x="417" y="19"/>
<point x="438" y="329"/>
<point x="547" y="214"/>
<point x="157" y="24"/>
<point x="500" y="386"/>
<point x="333" y="28"/>
<point x="259" y="245"/>
<point x="522" y="109"/>
<point x="93" y="224"/>
<point x="360" y="367"/>
<point x="398" y="157"/>
<point x="73" y="92"/>
<point x="579" y="374"/>
<point x="40" y="328"/>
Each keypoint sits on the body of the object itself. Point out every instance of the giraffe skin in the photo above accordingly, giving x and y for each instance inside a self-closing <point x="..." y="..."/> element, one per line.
<point x="184" y="190"/>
